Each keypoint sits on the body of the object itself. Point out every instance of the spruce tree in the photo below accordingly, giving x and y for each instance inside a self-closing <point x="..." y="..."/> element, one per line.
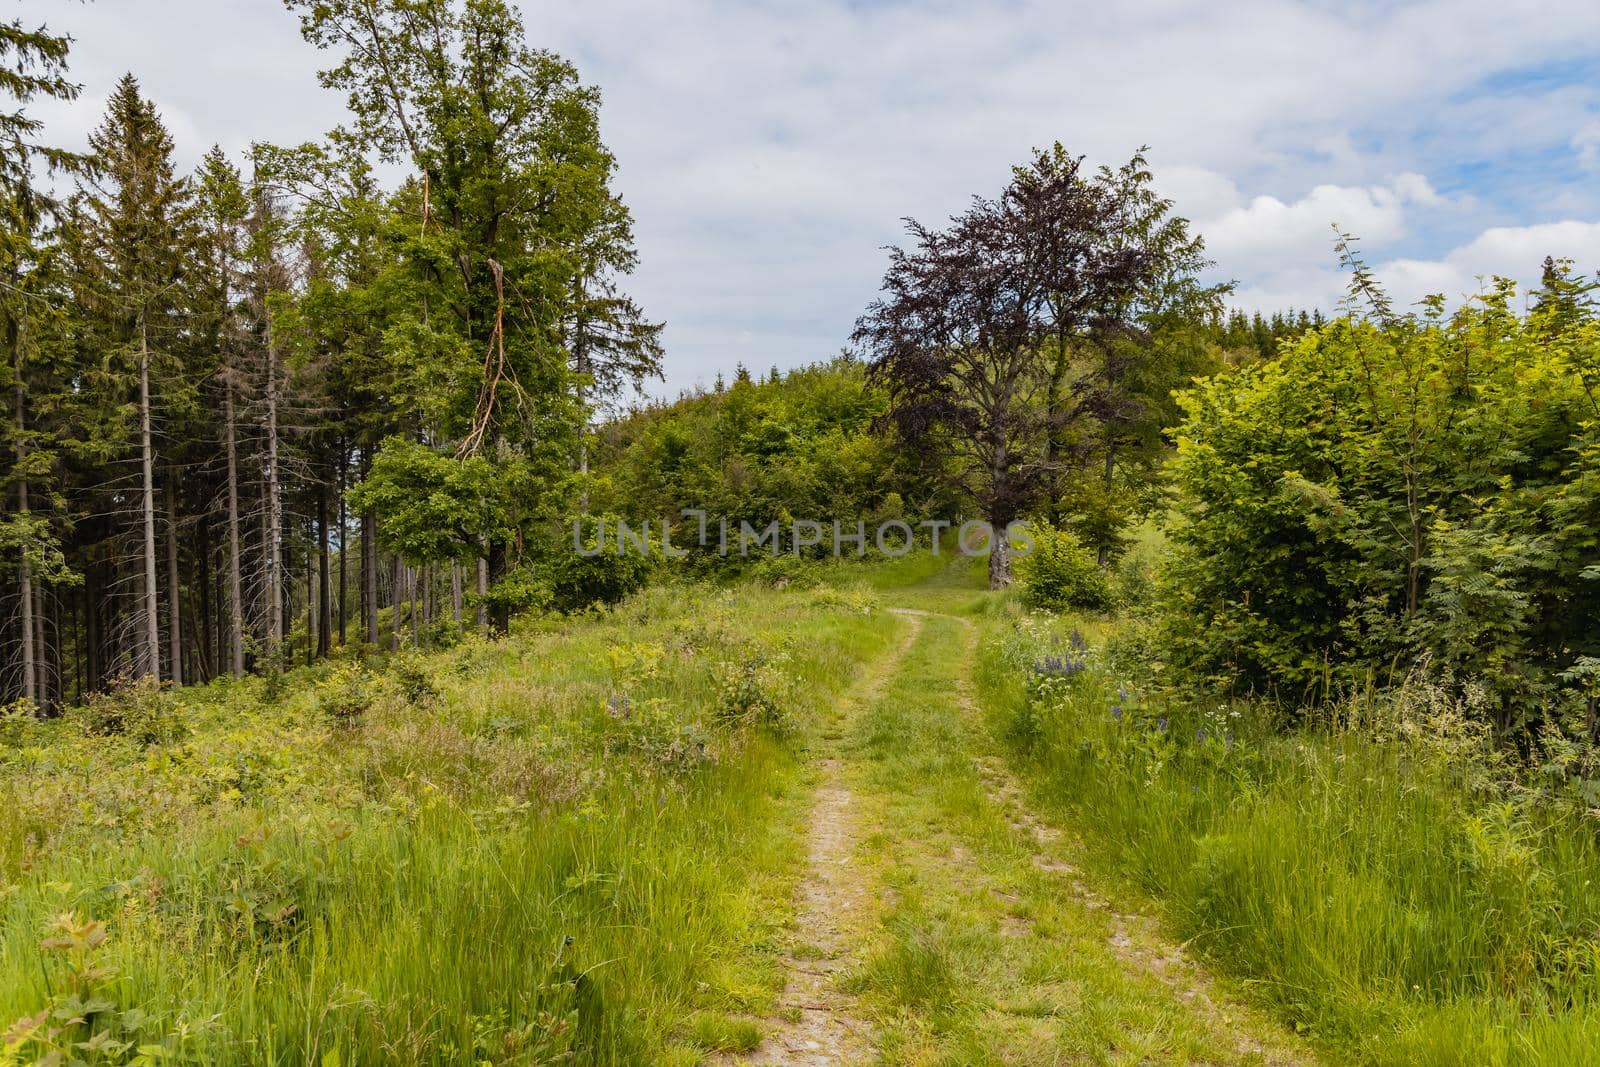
<point x="137" y="222"/>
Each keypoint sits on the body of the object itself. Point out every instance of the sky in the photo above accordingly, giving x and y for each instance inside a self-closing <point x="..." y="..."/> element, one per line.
<point x="769" y="151"/>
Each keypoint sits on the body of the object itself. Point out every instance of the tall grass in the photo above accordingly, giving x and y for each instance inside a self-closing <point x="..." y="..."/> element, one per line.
<point x="564" y="844"/>
<point x="1381" y="883"/>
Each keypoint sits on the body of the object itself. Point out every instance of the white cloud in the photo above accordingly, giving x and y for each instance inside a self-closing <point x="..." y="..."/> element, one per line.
<point x="1268" y="232"/>
<point x="769" y="150"/>
<point x="1586" y="142"/>
<point x="1516" y="252"/>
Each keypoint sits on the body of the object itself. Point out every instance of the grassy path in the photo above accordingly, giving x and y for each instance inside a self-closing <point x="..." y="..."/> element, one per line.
<point x="940" y="922"/>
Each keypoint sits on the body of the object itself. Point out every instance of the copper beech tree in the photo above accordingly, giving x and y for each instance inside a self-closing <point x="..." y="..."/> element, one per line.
<point x="994" y="335"/>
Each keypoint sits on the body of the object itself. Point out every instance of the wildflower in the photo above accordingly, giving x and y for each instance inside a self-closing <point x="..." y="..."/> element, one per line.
<point x="1161" y="725"/>
<point x="1116" y="712"/>
<point x="1200" y="735"/>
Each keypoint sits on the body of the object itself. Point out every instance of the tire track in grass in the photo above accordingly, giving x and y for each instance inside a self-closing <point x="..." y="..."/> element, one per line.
<point x="1133" y="938"/>
<point x="818" y="1023"/>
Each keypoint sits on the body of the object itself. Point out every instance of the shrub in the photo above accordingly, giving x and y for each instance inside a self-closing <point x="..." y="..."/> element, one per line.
<point x="786" y="571"/>
<point x="411" y="674"/>
<point x="755" y="690"/>
<point x="576" y="581"/>
<point x="140" y="710"/>
<point x="345" y="696"/>
<point x="1060" y="573"/>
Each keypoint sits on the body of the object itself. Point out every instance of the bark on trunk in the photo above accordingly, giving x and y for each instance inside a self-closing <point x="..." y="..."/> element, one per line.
<point x="344" y="540"/>
<point x="275" y="613"/>
<point x="235" y="566"/>
<point x="174" y="588"/>
<point x="30" y="689"/>
<point x="324" y="586"/>
<point x="396" y="591"/>
<point x="483" y="593"/>
<point x="152" y="621"/>
<point x="206" y="661"/>
<point x="999" y="556"/>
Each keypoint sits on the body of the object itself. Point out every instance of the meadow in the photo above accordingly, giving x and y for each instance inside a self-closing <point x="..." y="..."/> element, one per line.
<point x="572" y="839"/>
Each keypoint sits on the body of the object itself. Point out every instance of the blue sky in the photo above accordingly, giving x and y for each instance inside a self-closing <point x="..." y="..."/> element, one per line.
<point x="768" y="150"/>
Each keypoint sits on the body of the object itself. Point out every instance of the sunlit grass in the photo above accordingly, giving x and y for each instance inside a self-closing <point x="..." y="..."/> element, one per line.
<point x="570" y="850"/>
<point x="1377" y="889"/>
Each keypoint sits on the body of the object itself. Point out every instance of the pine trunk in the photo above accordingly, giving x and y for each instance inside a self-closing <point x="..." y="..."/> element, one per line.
<point x="235" y="567"/>
<point x="275" y="613"/>
<point x="344" y="540"/>
<point x="174" y="587"/>
<point x="324" y="585"/>
<point x="152" y="619"/>
<point x="30" y="691"/>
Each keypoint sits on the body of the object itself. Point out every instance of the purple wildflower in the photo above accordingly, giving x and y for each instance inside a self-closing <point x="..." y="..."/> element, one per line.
<point x="1161" y="725"/>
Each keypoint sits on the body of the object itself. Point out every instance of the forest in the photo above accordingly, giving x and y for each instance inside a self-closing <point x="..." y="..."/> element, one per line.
<point x="338" y="724"/>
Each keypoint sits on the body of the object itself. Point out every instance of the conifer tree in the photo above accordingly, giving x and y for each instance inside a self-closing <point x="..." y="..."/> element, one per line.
<point x="137" y="220"/>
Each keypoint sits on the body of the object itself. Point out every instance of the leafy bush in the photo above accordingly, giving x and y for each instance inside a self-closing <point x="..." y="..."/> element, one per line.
<point x="786" y="571"/>
<point x="1060" y="573"/>
<point x="754" y="690"/>
<point x="577" y="581"/>
<point x="345" y="696"/>
<point x="1416" y="487"/>
<point x="84" y="1023"/>
<point x="141" y="710"/>
<point x="410" y="672"/>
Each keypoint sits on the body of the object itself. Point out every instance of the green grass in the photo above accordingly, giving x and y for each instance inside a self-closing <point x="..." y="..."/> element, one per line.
<point x="567" y="851"/>
<point x="1374" y="886"/>
<point x="584" y="840"/>
<point x="984" y="951"/>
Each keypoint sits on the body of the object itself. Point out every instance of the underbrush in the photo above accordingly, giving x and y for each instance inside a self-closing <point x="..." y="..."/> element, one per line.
<point x="1381" y="879"/>
<point x="558" y="846"/>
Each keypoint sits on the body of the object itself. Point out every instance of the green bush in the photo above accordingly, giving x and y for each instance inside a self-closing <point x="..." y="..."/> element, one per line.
<point x="1416" y="488"/>
<point x="142" y="711"/>
<point x="755" y="691"/>
<point x="345" y="696"/>
<point x="577" y="581"/>
<point x="1060" y="573"/>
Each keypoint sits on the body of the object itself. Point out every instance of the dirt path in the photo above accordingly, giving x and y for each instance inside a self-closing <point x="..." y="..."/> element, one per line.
<point x="1134" y="938"/>
<point x="818" y="1022"/>
<point x="965" y="931"/>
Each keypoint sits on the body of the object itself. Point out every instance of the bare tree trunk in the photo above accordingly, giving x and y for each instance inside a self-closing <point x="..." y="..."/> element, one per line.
<point x="152" y="620"/>
<point x="275" y="615"/>
<point x="30" y="691"/>
<point x="235" y="580"/>
<point x="324" y="587"/>
<point x="205" y="661"/>
<point x="174" y="588"/>
<point x="91" y="624"/>
<point x="455" y="591"/>
<point x="369" y="575"/>
<point x="999" y="557"/>
<point x="395" y="595"/>
<point x="313" y="608"/>
<point x="344" y="539"/>
<point x="483" y="592"/>
<point x="42" y="660"/>
<point x="411" y="586"/>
